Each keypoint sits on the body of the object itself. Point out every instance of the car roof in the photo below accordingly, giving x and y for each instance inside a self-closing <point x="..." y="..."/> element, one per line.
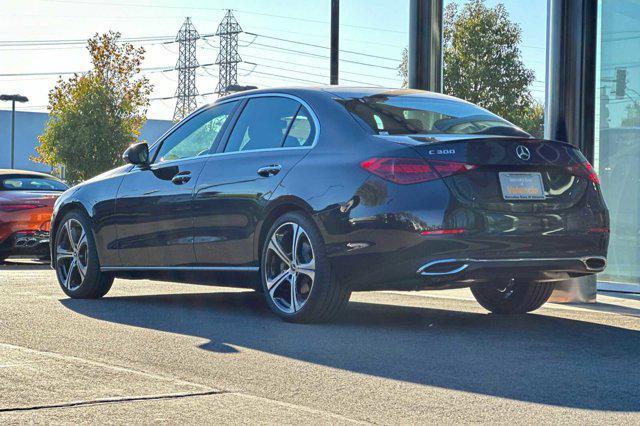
<point x="17" y="172"/>
<point x="342" y="92"/>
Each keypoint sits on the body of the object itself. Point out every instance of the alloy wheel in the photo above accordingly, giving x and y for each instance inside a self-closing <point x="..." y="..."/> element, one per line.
<point x="72" y="254"/>
<point x="289" y="267"/>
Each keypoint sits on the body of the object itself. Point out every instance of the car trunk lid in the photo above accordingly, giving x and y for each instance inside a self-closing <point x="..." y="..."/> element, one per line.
<point x="500" y="170"/>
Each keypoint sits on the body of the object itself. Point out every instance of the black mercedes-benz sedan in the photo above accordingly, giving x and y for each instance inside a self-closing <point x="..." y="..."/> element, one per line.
<point x="308" y="194"/>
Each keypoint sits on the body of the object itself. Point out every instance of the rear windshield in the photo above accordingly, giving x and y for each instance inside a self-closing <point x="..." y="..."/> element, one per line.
<point x="403" y="115"/>
<point x="26" y="183"/>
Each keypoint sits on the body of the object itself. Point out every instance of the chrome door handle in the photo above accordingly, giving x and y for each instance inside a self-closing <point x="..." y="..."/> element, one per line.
<point x="271" y="170"/>
<point x="181" y="178"/>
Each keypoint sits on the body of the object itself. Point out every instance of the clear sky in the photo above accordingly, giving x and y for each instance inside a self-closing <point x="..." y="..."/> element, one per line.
<point x="377" y="29"/>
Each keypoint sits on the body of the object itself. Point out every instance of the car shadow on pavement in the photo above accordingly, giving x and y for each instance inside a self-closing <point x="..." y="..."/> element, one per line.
<point x="537" y="358"/>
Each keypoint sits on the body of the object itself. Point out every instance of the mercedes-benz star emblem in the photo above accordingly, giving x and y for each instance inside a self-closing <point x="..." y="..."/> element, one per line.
<point x="523" y="152"/>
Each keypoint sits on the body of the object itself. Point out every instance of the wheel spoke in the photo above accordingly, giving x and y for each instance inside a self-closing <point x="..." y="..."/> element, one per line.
<point x="294" y="298"/>
<point x="295" y="238"/>
<point x="67" y="280"/>
<point x="308" y="269"/>
<point x="62" y="253"/>
<point x="82" y="239"/>
<point x="82" y="269"/>
<point x="274" y="283"/>
<point x="67" y="227"/>
<point x="275" y="246"/>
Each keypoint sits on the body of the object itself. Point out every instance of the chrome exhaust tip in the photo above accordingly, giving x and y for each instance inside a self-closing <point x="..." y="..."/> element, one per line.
<point x="594" y="263"/>
<point x="443" y="267"/>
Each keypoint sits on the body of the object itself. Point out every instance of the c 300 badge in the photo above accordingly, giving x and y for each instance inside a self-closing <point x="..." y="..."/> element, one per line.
<point x="442" y="151"/>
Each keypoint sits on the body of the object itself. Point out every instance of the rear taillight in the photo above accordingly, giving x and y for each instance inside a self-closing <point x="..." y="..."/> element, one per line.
<point x="412" y="170"/>
<point x="584" y="170"/>
<point x="448" y="168"/>
<point x="15" y="207"/>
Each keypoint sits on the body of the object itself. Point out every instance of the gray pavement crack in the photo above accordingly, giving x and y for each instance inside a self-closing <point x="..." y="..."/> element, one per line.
<point x="112" y="400"/>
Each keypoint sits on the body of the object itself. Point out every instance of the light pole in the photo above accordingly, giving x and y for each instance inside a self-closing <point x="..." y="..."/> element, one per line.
<point x="13" y="99"/>
<point x="335" y="41"/>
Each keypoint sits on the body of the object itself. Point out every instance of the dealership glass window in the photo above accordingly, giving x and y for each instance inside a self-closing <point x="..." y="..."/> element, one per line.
<point x="617" y="141"/>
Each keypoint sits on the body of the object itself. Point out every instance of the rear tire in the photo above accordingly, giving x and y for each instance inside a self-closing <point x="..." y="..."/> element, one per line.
<point x="512" y="298"/>
<point x="304" y="272"/>
<point x="77" y="263"/>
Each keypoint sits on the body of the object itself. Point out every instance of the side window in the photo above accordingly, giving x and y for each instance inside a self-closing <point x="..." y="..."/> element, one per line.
<point x="262" y="125"/>
<point x="196" y="136"/>
<point x="302" y="131"/>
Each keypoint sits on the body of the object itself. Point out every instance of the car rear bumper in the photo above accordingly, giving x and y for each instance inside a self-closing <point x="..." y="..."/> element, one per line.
<point x="26" y="243"/>
<point x="405" y="261"/>
<point x="472" y="271"/>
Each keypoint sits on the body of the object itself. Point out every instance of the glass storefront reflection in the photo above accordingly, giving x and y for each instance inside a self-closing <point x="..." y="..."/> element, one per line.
<point x="617" y="142"/>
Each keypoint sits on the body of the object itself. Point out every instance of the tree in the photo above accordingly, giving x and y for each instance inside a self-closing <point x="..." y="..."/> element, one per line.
<point x="483" y="65"/>
<point x="94" y="116"/>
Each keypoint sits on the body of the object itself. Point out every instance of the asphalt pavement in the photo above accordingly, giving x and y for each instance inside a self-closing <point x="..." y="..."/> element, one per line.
<point x="153" y="352"/>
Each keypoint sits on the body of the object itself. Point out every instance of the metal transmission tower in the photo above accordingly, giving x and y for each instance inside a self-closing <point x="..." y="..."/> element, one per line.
<point x="228" y="56"/>
<point x="186" y="66"/>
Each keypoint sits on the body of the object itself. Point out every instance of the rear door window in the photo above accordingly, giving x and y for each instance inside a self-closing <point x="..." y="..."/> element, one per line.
<point x="263" y="124"/>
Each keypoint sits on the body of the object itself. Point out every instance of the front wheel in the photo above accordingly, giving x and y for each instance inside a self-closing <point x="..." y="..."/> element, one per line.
<point x="77" y="264"/>
<point x="512" y="297"/>
<point x="296" y="275"/>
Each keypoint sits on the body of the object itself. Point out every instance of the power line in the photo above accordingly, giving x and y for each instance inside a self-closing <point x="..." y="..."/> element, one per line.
<point x="57" y="42"/>
<point x="147" y="70"/>
<point x="321" y="47"/>
<point x="308" y="73"/>
<point x="295" y="18"/>
<point x="323" y="36"/>
<point x="287" y="78"/>
<point x="166" y="98"/>
<point x="300" y="52"/>
<point x="146" y="6"/>
<point x="362" y="27"/>
<point x="297" y="64"/>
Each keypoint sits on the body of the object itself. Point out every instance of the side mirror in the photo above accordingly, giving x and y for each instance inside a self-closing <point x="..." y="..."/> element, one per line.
<point x="137" y="153"/>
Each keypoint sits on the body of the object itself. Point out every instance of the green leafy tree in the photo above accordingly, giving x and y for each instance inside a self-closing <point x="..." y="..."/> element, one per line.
<point x="94" y="116"/>
<point x="483" y="64"/>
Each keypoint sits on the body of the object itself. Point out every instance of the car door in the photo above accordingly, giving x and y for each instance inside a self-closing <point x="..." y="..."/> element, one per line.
<point x="270" y="136"/>
<point x="154" y="202"/>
